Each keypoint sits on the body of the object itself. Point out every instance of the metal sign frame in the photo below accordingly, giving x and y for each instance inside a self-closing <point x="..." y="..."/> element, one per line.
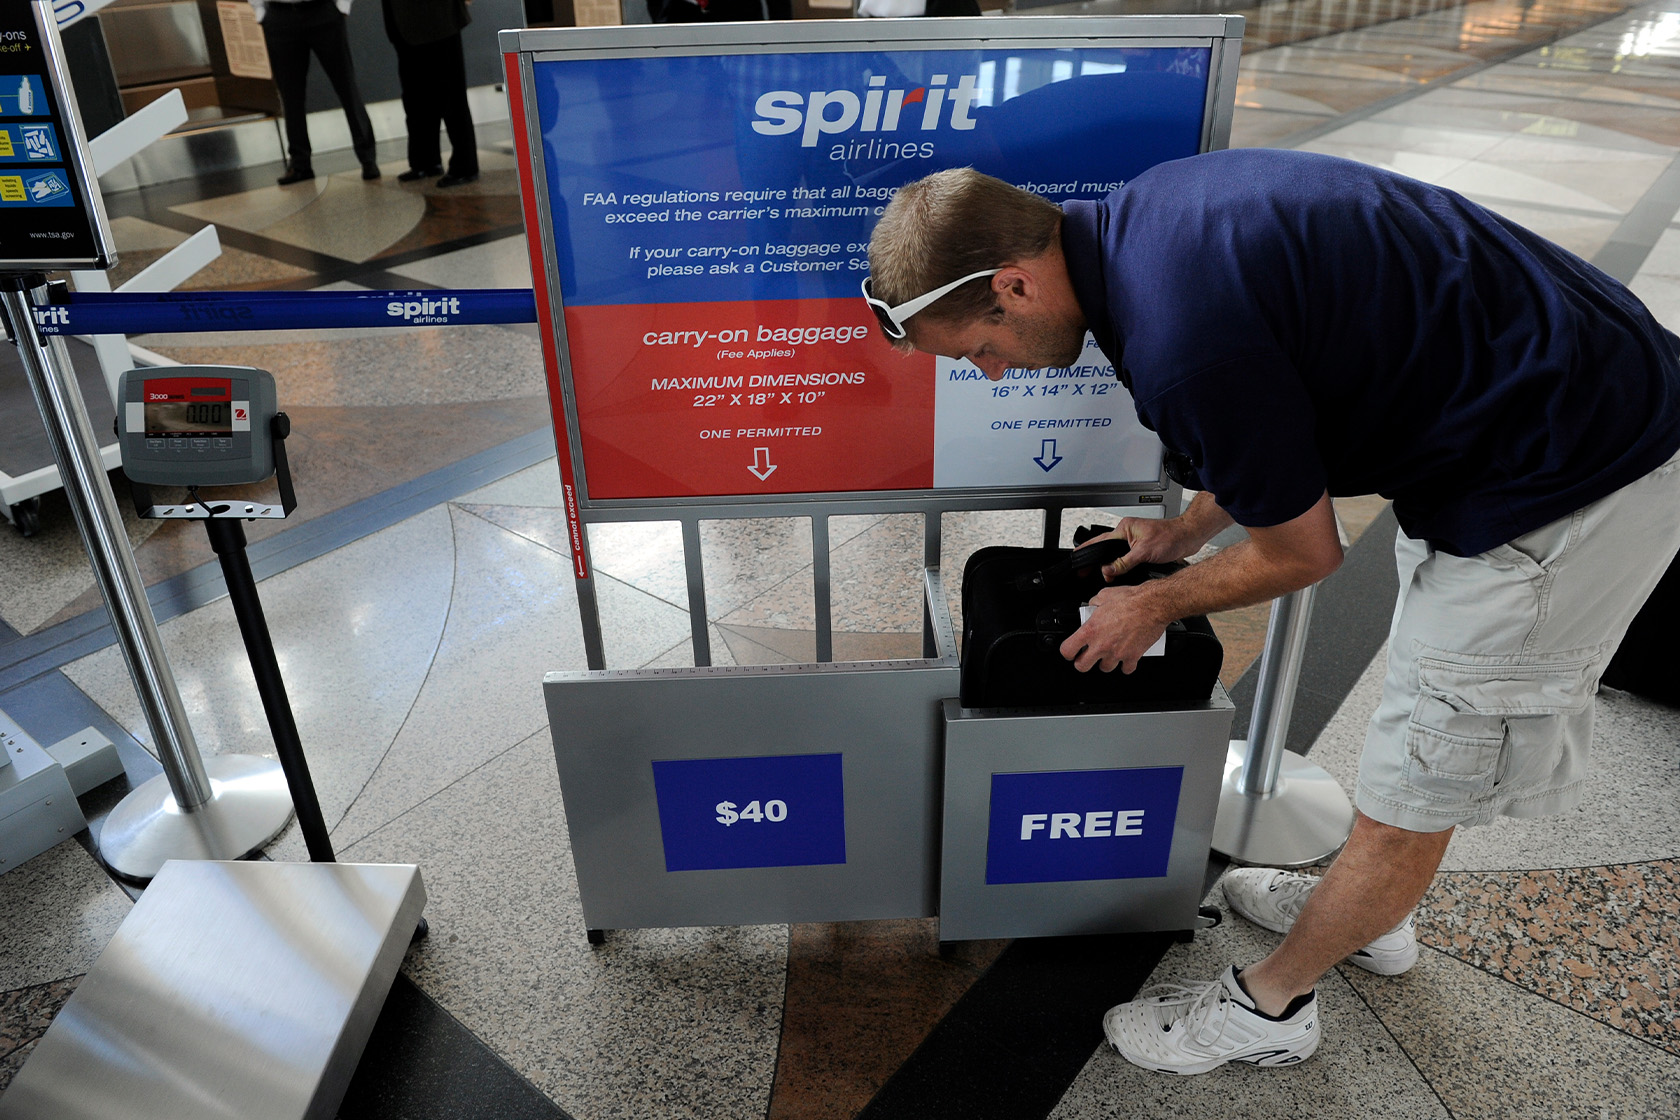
<point x="83" y="240"/>
<point x="526" y="48"/>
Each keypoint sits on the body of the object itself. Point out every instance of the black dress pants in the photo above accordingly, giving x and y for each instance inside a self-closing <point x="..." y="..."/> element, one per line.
<point x="434" y="89"/>
<point x="293" y="32"/>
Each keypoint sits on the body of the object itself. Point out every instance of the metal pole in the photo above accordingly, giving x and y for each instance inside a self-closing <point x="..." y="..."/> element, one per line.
<point x="699" y="635"/>
<point x="59" y="397"/>
<point x="1274" y="695"/>
<point x="1276" y="809"/>
<point x="227" y="540"/>
<point x="822" y="587"/>
<point x="225" y="808"/>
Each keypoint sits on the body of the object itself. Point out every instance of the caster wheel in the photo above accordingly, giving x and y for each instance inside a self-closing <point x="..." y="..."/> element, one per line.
<point x="597" y="937"/>
<point x="421" y="929"/>
<point x="26" y="515"/>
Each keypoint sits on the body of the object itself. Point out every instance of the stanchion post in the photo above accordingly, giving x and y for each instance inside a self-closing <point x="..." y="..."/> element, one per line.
<point x="52" y="379"/>
<point x="227" y="540"/>
<point x="1276" y="809"/>
<point x="223" y="809"/>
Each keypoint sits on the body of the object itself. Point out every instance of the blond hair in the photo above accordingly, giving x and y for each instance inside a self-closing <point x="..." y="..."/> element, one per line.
<point x="948" y="225"/>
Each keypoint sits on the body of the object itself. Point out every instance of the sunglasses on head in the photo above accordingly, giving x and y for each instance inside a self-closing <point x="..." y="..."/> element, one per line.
<point x="892" y="319"/>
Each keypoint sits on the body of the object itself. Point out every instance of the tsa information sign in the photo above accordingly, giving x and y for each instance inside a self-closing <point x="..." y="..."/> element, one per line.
<point x="1071" y="825"/>
<point x="711" y="218"/>
<point x="50" y="214"/>
<point x="769" y="811"/>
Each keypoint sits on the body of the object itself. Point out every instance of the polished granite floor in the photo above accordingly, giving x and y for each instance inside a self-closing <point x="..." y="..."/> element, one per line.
<point x="423" y="587"/>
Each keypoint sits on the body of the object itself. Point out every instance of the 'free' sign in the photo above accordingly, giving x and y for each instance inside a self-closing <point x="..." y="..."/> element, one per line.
<point x="1097" y="825"/>
<point x="1064" y="825"/>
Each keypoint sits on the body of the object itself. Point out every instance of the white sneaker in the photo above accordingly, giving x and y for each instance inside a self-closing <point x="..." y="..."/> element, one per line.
<point x="1176" y="1029"/>
<point x="1273" y="899"/>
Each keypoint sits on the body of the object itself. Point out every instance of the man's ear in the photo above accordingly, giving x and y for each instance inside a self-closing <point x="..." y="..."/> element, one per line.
<point x="1014" y="287"/>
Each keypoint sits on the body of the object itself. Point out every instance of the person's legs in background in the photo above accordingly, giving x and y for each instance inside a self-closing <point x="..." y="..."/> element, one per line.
<point x="420" y="115"/>
<point x="288" y="57"/>
<point x="331" y="44"/>
<point x="451" y="104"/>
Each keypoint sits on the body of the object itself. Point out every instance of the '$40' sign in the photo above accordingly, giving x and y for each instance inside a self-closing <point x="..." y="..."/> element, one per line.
<point x="771" y="811"/>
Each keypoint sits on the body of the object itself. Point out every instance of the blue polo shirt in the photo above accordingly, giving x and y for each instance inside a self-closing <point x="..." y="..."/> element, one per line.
<point x="1295" y="323"/>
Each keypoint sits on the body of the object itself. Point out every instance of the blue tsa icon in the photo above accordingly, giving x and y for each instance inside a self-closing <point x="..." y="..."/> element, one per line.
<point x="38" y="142"/>
<point x="22" y="95"/>
<point x="48" y="189"/>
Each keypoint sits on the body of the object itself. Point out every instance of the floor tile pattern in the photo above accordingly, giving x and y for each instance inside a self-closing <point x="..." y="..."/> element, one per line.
<point x="25" y="1015"/>
<point x="1596" y="939"/>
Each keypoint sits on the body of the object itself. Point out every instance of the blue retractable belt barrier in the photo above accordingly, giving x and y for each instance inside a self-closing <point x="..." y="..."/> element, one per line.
<point x="180" y="312"/>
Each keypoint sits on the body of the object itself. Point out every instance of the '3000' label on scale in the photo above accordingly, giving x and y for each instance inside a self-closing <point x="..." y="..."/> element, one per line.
<point x="717" y="813"/>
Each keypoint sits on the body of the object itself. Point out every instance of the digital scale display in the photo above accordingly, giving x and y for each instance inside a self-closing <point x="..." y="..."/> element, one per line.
<point x="163" y="419"/>
<point x="197" y="425"/>
<point x="178" y="407"/>
<point x="51" y="215"/>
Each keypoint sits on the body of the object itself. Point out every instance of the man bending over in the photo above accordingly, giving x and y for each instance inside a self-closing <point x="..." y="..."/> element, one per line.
<point x="1294" y="327"/>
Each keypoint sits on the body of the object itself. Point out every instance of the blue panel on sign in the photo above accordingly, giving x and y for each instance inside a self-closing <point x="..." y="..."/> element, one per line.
<point x="1068" y="825"/>
<point x="769" y="811"/>
<point x="774" y="167"/>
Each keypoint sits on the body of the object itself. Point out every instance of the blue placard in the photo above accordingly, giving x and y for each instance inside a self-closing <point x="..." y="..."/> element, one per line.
<point x="766" y="172"/>
<point x="22" y="95"/>
<point x="29" y="142"/>
<point x="1069" y="825"/>
<point x="47" y="186"/>
<point x="768" y="811"/>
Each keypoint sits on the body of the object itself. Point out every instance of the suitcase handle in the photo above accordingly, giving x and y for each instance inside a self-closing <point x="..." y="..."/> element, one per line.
<point x="1097" y="555"/>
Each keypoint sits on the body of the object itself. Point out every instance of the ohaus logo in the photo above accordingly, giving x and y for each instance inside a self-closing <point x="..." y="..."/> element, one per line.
<point x="831" y="112"/>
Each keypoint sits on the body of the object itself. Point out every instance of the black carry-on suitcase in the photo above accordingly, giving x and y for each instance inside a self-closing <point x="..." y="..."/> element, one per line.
<point x="1021" y="604"/>
<point x="1648" y="661"/>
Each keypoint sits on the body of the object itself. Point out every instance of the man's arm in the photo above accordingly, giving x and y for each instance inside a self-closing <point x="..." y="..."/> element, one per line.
<point x="1271" y="562"/>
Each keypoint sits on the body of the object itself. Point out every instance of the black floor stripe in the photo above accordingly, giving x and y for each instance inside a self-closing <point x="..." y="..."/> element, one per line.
<point x="1015" y="1042"/>
<point x="421" y="1063"/>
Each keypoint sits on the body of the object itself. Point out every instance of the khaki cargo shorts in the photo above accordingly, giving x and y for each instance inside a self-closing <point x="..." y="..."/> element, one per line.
<point x="1494" y="660"/>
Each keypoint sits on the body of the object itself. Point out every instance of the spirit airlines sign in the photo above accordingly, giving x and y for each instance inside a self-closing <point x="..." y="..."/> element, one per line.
<point x="711" y="219"/>
<point x="879" y="110"/>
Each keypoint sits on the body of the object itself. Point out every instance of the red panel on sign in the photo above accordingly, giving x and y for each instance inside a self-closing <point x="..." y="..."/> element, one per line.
<point x="778" y="397"/>
<point x="545" y="320"/>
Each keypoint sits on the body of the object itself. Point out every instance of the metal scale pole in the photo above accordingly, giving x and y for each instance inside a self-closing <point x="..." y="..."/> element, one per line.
<point x="1276" y="809"/>
<point x="224" y="807"/>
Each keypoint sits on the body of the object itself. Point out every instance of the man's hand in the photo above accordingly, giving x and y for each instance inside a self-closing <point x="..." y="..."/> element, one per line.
<point x="1119" y="632"/>
<point x="1163" y="540"/>
<point x="1273" y="560"/>
<point x="1150" y="541"/>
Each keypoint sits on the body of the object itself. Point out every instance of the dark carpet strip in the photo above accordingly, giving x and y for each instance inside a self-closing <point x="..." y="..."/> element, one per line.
<point x="421" y="1063"/>
<point x="1017" y="1039"/>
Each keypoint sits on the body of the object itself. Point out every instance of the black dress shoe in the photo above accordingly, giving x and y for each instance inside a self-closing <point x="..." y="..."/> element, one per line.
<point x="296" y="174"/>
<point x="370" y="170"/>
<point x="414" y="173"/>
<point x="454" y="180"/>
